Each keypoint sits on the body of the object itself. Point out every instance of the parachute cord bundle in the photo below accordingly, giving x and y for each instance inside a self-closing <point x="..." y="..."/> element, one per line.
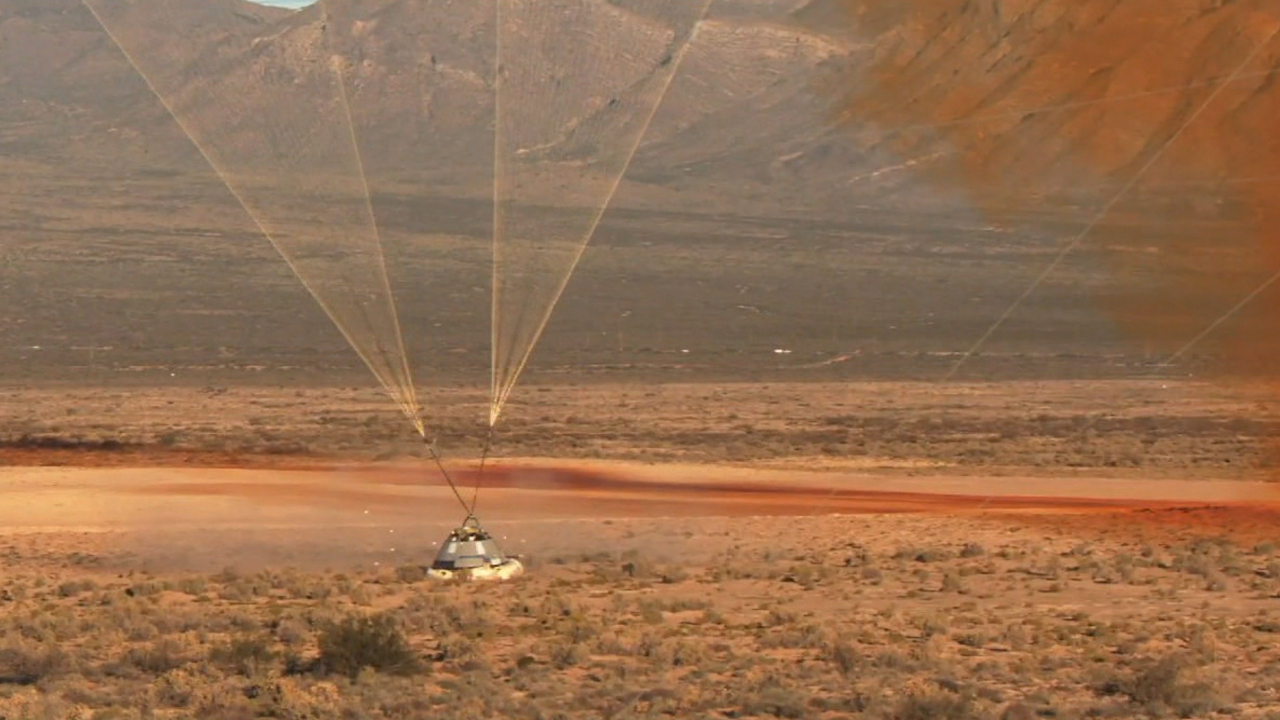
<point x="298" y="126"/>
<point x="269" y="106"/>
<point x="468" y="507"/>
<point x="591" y="95"/>
<point x="484" y="455"/>
<point x="444" y="471"/>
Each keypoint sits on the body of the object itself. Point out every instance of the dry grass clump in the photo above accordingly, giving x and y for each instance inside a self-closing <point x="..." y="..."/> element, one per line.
<point x="935" y="705"/>
<point x="1166" y="685"/>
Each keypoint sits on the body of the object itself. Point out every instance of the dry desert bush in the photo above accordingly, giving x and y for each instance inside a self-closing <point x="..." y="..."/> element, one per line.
<point x="998" y="624"/>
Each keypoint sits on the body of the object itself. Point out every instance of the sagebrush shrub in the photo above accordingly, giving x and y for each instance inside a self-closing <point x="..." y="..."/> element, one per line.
<point x="365" y="641"/>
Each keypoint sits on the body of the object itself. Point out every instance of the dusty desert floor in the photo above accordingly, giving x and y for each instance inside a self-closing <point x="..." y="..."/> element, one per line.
<point x="198" y="555"/>
<point x="737" y="479"/>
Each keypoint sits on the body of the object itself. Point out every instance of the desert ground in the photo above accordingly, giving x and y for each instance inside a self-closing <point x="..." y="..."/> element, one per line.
<point x="213" y="553"/>
<point x="741" y="471"/>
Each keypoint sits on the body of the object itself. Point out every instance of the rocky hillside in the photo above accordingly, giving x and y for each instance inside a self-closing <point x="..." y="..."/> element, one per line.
<point x="991" y="131"/>
<point x="741" y="124"/>
<point x="1004" y="101"/>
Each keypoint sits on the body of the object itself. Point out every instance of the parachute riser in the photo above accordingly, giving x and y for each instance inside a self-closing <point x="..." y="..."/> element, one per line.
<point x="430" y="444"/>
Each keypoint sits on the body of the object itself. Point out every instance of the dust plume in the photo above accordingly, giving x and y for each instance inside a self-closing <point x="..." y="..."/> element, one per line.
<point x="1145" y="127"/>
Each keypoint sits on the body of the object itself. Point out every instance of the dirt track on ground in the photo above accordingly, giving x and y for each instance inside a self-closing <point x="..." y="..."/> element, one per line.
<point x="129" y="495"/>
<point x="309" y="493"/>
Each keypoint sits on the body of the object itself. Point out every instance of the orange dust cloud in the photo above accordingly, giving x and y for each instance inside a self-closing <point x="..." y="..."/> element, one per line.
<point x="1149" y="129"/>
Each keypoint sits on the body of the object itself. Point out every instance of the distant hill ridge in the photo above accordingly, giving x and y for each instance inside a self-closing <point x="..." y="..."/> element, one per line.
<point x="782" y="106"/>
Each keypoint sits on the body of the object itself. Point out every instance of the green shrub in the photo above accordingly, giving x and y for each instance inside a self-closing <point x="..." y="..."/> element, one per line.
<point x="24" y="662"/>
<point x="845" y="657"/>
<point x="157" y="658"/>
<point x="360" y="641"/>
<point x="244" y="655"/>
<point x="1163" y="683"/>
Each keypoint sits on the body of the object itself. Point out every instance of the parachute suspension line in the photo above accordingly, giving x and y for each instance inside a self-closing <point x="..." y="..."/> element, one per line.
<point x="409" y="401"/>
<point x="404" y="401"/>
<point x="494" y="317"/>
<point x="494" y="310"/>
<point x="1218" y="323"/>
<point x="181" y="125"/>
<point x="435" y="457"/>
<point x="484" y="455"/>
<point x="1106" y="209"/>
<point x="502" y="391"/>
<point x="1125" y="189"/>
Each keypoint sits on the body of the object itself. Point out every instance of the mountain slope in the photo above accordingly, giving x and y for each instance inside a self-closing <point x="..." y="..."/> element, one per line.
<point x="420" y="77"/>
